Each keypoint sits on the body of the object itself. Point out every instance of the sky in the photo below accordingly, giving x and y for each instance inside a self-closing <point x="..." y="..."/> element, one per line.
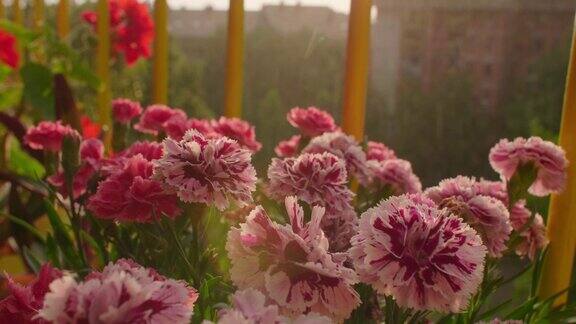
<point x="339" y="5"/>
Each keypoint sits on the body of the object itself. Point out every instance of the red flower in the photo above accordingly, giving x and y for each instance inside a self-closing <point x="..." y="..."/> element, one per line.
<point x="238" y="130"/>
<point x="90" y="129"/>
<point x="289" y="147"/>
<point x="125" y="110"/>
<point x="48" y="135"/>
<point x="132" y="195"/>
<point x="23" y="302"/>
<point x="132" y="28"/>
<point x="8" y="53"/>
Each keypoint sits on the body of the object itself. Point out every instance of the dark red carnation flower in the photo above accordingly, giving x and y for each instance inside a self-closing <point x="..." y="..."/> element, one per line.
<point x="8" y="51"/>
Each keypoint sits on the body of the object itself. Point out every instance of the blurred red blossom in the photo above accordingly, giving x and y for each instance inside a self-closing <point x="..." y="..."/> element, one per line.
<point x="8" y="49"/>
<point x="131" y="26"/>
<point x="90" y="129"/>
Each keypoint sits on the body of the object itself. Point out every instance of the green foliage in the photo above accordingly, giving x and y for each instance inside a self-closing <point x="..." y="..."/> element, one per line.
<point x="38" y="90"/>
<point x="23" y="164"/>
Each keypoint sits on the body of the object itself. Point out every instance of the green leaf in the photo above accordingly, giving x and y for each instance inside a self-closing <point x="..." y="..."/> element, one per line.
<point x="83" y="73"/>
<point x="38" y="89"/>
<point x="520" y="182"/>
<point x="23" y="164"/>
<point x="31" y="259"/>
<point x="65" y="243"/>
<point x="97" y="248"/>
<point x="521" y="311"/>
<point x="10" y="96"/>
<point x="33" y="230"/>
<point x="491" y="312"/>
<point x="4" y="72"/>
<point x="71" y="64"/>
<point x="52" y="251"/>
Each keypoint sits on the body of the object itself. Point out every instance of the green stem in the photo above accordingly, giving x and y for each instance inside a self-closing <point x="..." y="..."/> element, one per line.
<point x="182" y="252"/>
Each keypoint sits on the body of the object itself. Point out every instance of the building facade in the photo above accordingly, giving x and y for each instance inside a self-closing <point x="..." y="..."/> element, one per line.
<point x="489" y="41"/>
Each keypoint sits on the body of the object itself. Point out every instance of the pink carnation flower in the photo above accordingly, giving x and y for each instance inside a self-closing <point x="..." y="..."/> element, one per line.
<point x="131" y="194"/>
<point x="207" y="170"/>
<point x="238" y="130"/>
<point x="379" y="152"/>
<point x="250" y="306"/>
<point x="548" y="159"/>
<point x="148" y="150"/>
<point x="22" y="303"/>
<point x="532" y="231"/>
<point x="395" y="175"/>
<point x="318" y="179"/>
<point x="424" y="257"/>
<point x="495" y="189"/>
<point x="488" y="215"/>
<point x="125" y="110"/>
<point x="291" y="263"/>
<point x="344" y="147"/>
<point x="177" y="126"/>
<point x="311" y="121"/>
<point x="289" y="147"/>
<point x="48" y="135"/>
<point x="123" y="293"/>
<point x="201" y="125"/>
<point x="92" y="152"/>
<point x="153" y="120"/>
<point x="91" y="155"/>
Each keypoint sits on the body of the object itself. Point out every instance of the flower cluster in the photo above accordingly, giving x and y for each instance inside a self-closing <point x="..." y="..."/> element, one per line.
<point x="339" y="230"/>
<point x="132" y="28"/>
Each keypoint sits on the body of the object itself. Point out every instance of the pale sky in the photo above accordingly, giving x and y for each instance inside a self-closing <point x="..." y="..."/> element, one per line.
<point x="339" y="5"/>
